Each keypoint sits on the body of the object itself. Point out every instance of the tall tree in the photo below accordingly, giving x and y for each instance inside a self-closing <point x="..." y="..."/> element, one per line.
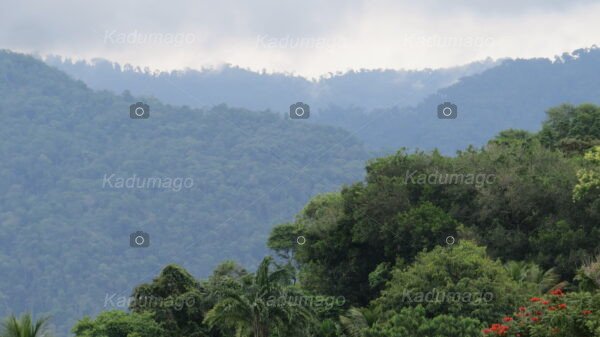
<point x="261" y="305"/>
<point x="176" y="300"/>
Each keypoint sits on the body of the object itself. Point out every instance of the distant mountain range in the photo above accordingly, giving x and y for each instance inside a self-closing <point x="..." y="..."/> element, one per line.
<point x="515" y="94"/>
<point x="234" y="86"/>
<point x="386" y="109"/>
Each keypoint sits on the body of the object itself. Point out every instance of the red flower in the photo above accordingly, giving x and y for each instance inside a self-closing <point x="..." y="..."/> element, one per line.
<point x="562" y="306"/>
<point x="586" y="312"/>
<point x="534" y="319"/>
<point x="507" y="319"/>
<point x="499" y="329"/>
<point x="557" y="292"/>
<point x="552" y="308"/>
<point x="535" y="299"/>
<point x="545" y="303"/>
<point x="522" y="308"/>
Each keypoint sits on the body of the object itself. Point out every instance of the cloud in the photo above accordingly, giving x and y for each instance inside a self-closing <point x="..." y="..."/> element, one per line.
<point x="309" y="37"/>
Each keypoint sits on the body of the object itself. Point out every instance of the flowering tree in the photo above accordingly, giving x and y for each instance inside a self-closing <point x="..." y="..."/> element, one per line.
<point x="555" y="315"/>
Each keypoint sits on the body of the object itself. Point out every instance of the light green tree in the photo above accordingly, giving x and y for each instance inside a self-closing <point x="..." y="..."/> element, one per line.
<point x="588" y="178"/>
<point x="459" y="281"/>
<point x="117" y="323"/>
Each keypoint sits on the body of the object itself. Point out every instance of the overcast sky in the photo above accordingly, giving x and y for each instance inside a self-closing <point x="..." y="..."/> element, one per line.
<point x="308" y="37"/>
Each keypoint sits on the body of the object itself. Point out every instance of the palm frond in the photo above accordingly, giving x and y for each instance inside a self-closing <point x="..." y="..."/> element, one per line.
<point x="354" y="323"/>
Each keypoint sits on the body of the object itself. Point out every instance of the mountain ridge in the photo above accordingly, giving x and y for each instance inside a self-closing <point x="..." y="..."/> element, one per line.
<point x="250" y="170"/>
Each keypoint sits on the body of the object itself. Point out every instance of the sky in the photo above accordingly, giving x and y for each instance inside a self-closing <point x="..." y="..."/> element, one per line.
<point x="308" y="38"/>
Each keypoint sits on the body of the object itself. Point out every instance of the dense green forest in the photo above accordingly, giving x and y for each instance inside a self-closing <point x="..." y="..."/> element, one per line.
<point x="64" y="238"/>
<point x="376" y="261"/>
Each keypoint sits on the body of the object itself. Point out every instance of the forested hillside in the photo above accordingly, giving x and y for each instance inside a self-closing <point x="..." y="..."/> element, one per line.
<point x="363" y="258"/>
<point x="377" y="261"/>
<point x="514" y="94"/>
<point x="66" y="221"/>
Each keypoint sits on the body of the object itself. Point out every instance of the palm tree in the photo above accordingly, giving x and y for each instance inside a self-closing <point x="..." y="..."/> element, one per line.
<point x="260" y="305"/>
<point x="354" y="323"/>
<point x="588" y="275"/>
<point x="24" y="327"/>
<point x="528" y="272"/>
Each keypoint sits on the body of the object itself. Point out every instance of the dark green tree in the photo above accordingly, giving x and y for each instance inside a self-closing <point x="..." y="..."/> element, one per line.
<point x="174" y="299"/>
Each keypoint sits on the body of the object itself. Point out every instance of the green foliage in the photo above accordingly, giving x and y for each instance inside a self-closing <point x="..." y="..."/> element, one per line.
<point x="411" y="322"/>
<point x="328" y="328"/>
<point x="563" y="245"/>
<point x="459" y="281"/>
<point x="353" y="323"/>
<point x="119" y="324"/>
<point x="528" y="274"/>
<point x="284" y="240"/>
<point x="521" y="209"/>
<point x="512" y="137"/>
<point x="261" y="305"/>
<point x="175" y="300"/>
<point x="379" y="277"/>
<point x="588" y="184"/>
<point x="588" y="275"/>
<point x="422" y="227"/>
<point x="572" y="129"/>
<point x="24" y="326"/>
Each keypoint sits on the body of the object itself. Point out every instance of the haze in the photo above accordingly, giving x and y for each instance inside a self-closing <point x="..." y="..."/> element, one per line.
<point x="309" y="38"/>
